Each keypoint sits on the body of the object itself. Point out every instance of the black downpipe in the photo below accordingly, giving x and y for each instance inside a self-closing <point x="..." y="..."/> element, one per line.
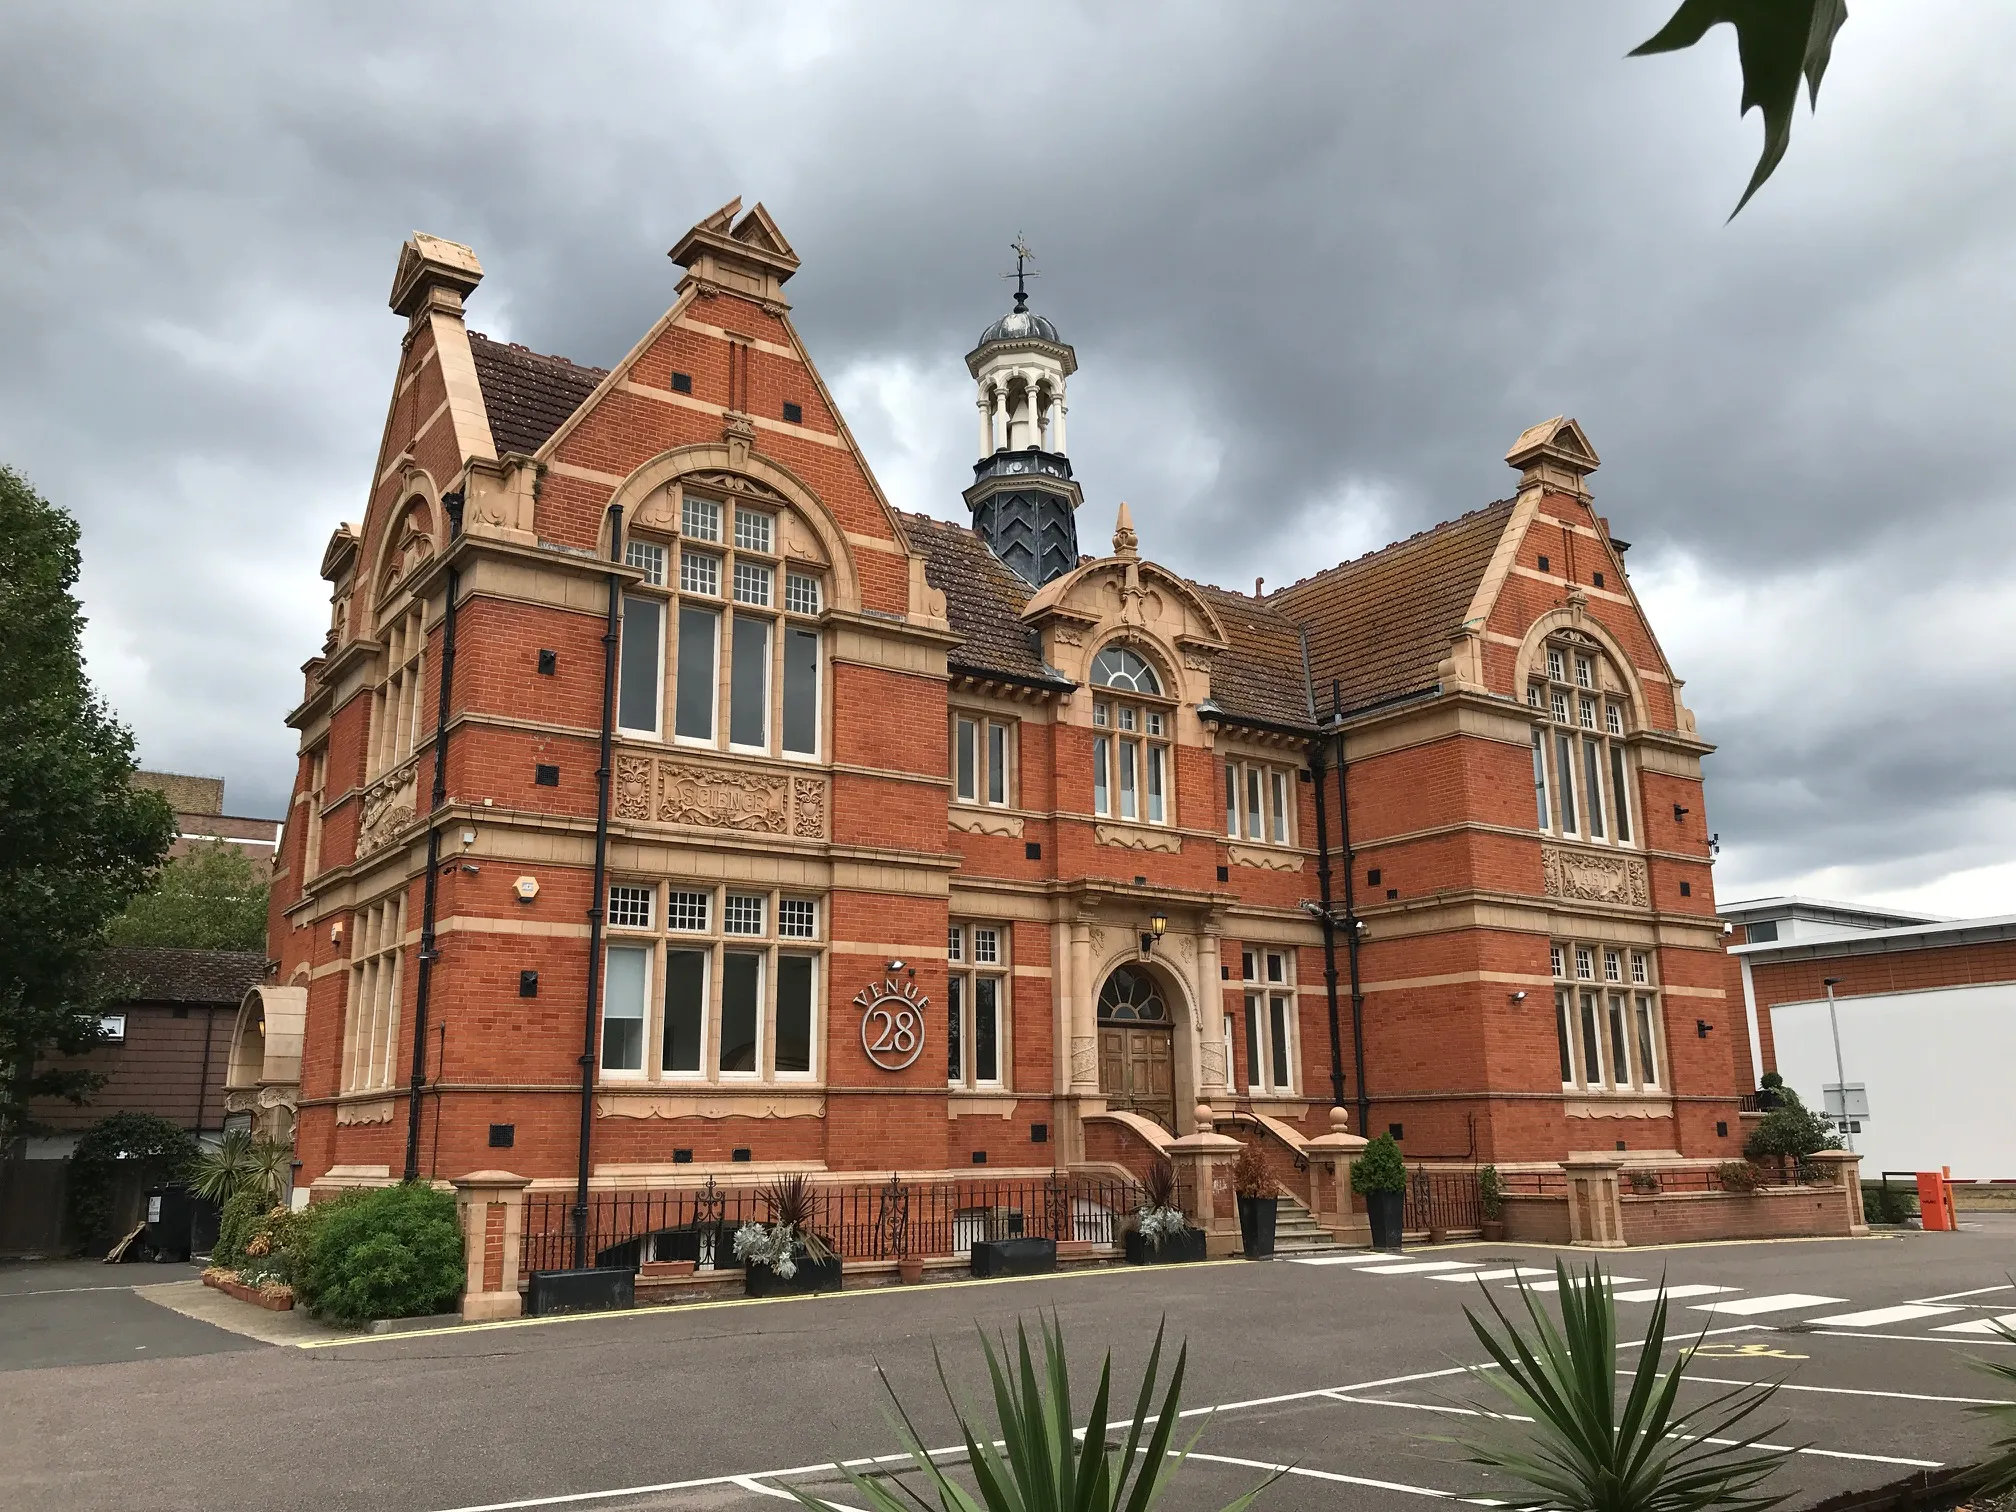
<point x="610" y="635"/>
<point x="452" y="504"/>
<point x="1326" y="918"/>
<point x="1350" y="859"/>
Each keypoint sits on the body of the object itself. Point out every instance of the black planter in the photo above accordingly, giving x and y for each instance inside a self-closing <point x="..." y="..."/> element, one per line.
<point x="1256" y="1225"/>
<point x="811" y="1276"/>
<point x="1175" y="1250"/>
<point x="1014" y="1257"/>
<point x="1385" y="1210"/>
<point x="595" y="1289"/>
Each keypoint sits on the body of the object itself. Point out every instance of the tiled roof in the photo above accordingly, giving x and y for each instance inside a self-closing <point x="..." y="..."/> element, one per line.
<point x="1382" y="624"/>
<point x="983" y="602"/>
<point x="1259" y="676"/>
<point x="528" y="396"/>
<point x="156" y="974"/>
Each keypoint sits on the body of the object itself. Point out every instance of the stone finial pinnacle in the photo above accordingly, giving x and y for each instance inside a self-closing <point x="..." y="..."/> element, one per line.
<point x="1125" y="542"/>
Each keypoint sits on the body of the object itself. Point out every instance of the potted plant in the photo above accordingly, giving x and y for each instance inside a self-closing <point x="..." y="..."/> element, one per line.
<point x="785" y="1253"/>
<point x="1162" y="1234"/>
<point x="1491" y="1204"/>
<point x="1259" y="1202"/>
<point x="1380" y="1177"/>
<point x="910" y="1269"/>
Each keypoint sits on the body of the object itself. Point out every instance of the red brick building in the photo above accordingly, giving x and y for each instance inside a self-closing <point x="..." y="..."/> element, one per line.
<point x="924" y="845"/>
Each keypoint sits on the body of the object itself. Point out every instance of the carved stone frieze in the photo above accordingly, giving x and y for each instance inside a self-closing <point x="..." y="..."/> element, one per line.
<point x="1085" y="1058"/>
<point x="1588" y="877"/>
<point x="376" y="1111"/>
<point x="1098" y="938"/>
<point x="1211" y="1063"/>
<point x="709" y="1103"/>
<point x="666" y="790"/>
<point x="386" y="808"/>
<point x="734" y="483"/>
<point x="1134" y="837"/>
<point x="986" y="822"/>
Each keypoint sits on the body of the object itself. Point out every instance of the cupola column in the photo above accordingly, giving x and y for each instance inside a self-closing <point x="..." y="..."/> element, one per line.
<point x="998" y="426"/>
<point x="985" y="405"/>
<point x="1057" y="422"/>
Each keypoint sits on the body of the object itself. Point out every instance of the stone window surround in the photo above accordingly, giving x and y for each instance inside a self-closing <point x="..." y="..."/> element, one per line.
<point x="1587" y="994"/>
<point x="1267" y="980"/>
<point x="1581" y="700"/>
<point x="963" y="946"/>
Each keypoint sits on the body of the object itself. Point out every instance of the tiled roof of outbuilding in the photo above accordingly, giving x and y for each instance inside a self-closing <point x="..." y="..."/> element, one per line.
<point x="1382" y="624"/>
<point x="528" y="396"/>
<point x="158" y="974"/>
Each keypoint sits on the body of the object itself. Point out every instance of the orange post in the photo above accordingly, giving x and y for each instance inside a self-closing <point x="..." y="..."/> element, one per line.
<point x="1935" y="1202"/>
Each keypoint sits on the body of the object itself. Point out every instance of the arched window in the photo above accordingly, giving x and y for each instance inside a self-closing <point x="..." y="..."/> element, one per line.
<point x="1581" y="766"/>
<point x="733" y="622"/>
<point x="1131" y="774"/>
<point x="1131" y="997"/>
<point x="1117" y="667"/>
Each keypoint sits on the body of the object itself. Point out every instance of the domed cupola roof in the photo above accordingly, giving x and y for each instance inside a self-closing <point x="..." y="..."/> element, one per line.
<point x="1022" y="325"/>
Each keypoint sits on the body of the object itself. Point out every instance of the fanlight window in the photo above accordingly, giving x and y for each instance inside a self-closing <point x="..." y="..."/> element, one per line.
<point x="1117" y="667"/>
<point x="1131" y="997"/>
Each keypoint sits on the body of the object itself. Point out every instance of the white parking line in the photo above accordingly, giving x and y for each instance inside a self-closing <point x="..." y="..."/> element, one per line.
<point x="1673" y="1293"/>
<point x="1876" y="1317"/>
<point x="1346" y="1480"/>
<point x="1493" y="1275"/>
<point x="1549" y="1286"/>
<point x="1337" y="1259"/>
<point x="1978" y="1326"/>
<point x="1745" y="1307"/>
<point x="1414" y="1267"/>
<point x="1977" y="1291"/>
<point x="1901" y="1396"/>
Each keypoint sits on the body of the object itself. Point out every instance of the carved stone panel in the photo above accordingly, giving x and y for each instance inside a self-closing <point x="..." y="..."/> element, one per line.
<point x="1084" y="1060"/>
<point x="753" y="800"/>
<point x="386" y="808"/>
<point x="1137" y="837"/>
<point x="1587" y="877"/>
<point x="1269" y="860"/>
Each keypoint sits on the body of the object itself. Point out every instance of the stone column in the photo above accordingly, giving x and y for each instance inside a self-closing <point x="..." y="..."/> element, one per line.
<point x="492" y="1209"/>
<point x="1595" y="1202"/>
<point x="1214" y="1073"/>
<point x="1330" y="1156"/>
<point x="1845" y="1167"/>
<point x="1083" y="1010"/>
<point x="1203" y="1162"/>
<point x="1000" y="419"/>
<point x="1057" y="422"/>
<point x="985" y="405"/>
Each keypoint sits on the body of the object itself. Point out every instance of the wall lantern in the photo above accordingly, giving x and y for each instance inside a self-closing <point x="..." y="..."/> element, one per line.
<point x="1158" y="922"/>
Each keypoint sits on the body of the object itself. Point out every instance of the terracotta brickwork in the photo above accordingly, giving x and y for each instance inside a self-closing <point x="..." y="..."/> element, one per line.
<point x="912" y="840"/>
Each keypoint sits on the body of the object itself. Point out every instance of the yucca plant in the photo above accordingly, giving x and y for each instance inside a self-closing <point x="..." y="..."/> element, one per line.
<point x="216" y="1175"/>
<point x="1998" y="1475"/>
<point x="1586" y="1451"/>
<point x="1038" y="1461"/>
<point x="788" y="1230"/>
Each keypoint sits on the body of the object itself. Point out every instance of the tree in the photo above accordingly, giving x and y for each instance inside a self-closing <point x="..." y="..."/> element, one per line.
<point x="77" y="839"/>
<point x="1777" y="43"/>
<point x="211" y="899"/>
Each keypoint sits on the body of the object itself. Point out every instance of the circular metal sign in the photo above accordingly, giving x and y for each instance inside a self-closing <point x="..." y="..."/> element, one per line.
<point x="892" y="1023"/>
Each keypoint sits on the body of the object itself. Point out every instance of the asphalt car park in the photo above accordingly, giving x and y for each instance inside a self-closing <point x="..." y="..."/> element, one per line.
<point x="1352" y="1374"/>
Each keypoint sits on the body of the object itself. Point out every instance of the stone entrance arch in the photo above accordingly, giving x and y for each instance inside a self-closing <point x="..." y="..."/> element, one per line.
<point x="263" y="1075"/>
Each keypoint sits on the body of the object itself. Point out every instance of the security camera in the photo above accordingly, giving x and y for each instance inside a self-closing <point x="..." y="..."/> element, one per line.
<point x="1727" y="929"/>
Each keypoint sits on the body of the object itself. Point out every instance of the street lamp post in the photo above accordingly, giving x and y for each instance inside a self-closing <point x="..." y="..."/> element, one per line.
<point x="1840" y="1076"/>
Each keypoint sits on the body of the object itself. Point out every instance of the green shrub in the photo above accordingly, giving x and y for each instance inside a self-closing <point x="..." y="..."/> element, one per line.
<point x="1791" y="1129"/>
<point x="235" y="1223"/>
<point x="1380" y="1168"/>
<point x="1886" y="1204"/>
<point x="390" y="1252"/>
<point x="1737" y="1176"/>
<point x="1491" y="1193"/>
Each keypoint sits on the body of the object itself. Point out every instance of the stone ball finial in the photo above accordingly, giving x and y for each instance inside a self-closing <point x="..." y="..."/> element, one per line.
<point x="1205" y="1117"/>
<point x="1340" y="1119"/>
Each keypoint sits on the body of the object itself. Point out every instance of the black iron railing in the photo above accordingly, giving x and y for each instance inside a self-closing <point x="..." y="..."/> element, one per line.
<point x="1440" y="1200"/>
<point x="861" y="1220"/>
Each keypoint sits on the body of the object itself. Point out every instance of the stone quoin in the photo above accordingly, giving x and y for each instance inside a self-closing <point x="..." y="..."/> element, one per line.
<point x="930" y="843"/>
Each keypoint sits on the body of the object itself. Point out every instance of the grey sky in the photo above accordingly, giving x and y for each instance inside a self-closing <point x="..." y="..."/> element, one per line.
<point x="1321" y="263"/>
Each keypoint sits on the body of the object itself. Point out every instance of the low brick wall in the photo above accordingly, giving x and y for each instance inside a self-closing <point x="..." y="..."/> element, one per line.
<point x="1772" y="1213"/>
<point x="1537" y="1220"/>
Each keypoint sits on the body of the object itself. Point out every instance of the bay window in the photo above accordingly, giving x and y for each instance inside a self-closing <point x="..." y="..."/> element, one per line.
<point x="736" y="629"/>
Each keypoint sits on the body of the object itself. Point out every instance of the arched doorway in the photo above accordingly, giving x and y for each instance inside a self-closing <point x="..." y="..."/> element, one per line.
<point x="1137" y="1046"/>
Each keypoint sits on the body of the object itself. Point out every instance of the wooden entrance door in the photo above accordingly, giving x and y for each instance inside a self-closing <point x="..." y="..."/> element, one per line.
<point x="1135" y="1072"/>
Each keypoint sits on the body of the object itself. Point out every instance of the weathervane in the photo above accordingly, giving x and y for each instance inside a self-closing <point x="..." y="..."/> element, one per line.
<point x="1022" y="256"/>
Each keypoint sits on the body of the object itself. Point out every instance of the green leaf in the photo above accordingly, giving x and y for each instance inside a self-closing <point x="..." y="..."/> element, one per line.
<point x="1777" y="43"/>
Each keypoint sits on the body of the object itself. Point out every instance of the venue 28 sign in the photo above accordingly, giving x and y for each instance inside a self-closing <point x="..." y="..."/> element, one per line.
<point x="892" y="1023"/>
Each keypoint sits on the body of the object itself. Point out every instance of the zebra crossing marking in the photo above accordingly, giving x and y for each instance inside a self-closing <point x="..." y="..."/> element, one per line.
<point x="1494" y="1275"/>
<point x="1673" y="1293"/>
<point x="1554" y="1286"/>
<point x="1876" y="1317"/>
<point x="1977" y="1326"/>
<point x="1417" y="1267"/>
<point x="1336" y="1259"/>
<point x="1748" y="1306"/>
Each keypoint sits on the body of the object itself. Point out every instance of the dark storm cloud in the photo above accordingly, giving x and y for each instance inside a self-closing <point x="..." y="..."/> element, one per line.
<point x="1321" y="264"/>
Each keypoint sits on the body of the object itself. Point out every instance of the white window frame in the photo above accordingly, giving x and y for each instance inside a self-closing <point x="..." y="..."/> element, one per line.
<point x="1609" y="1006"/>
<point x="986" y="764"/>
<point x="1268" y="979"/>
<point x="964" y="939"/>
<point x="1583" y="772"/>
<point x="1275" y="821"/>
